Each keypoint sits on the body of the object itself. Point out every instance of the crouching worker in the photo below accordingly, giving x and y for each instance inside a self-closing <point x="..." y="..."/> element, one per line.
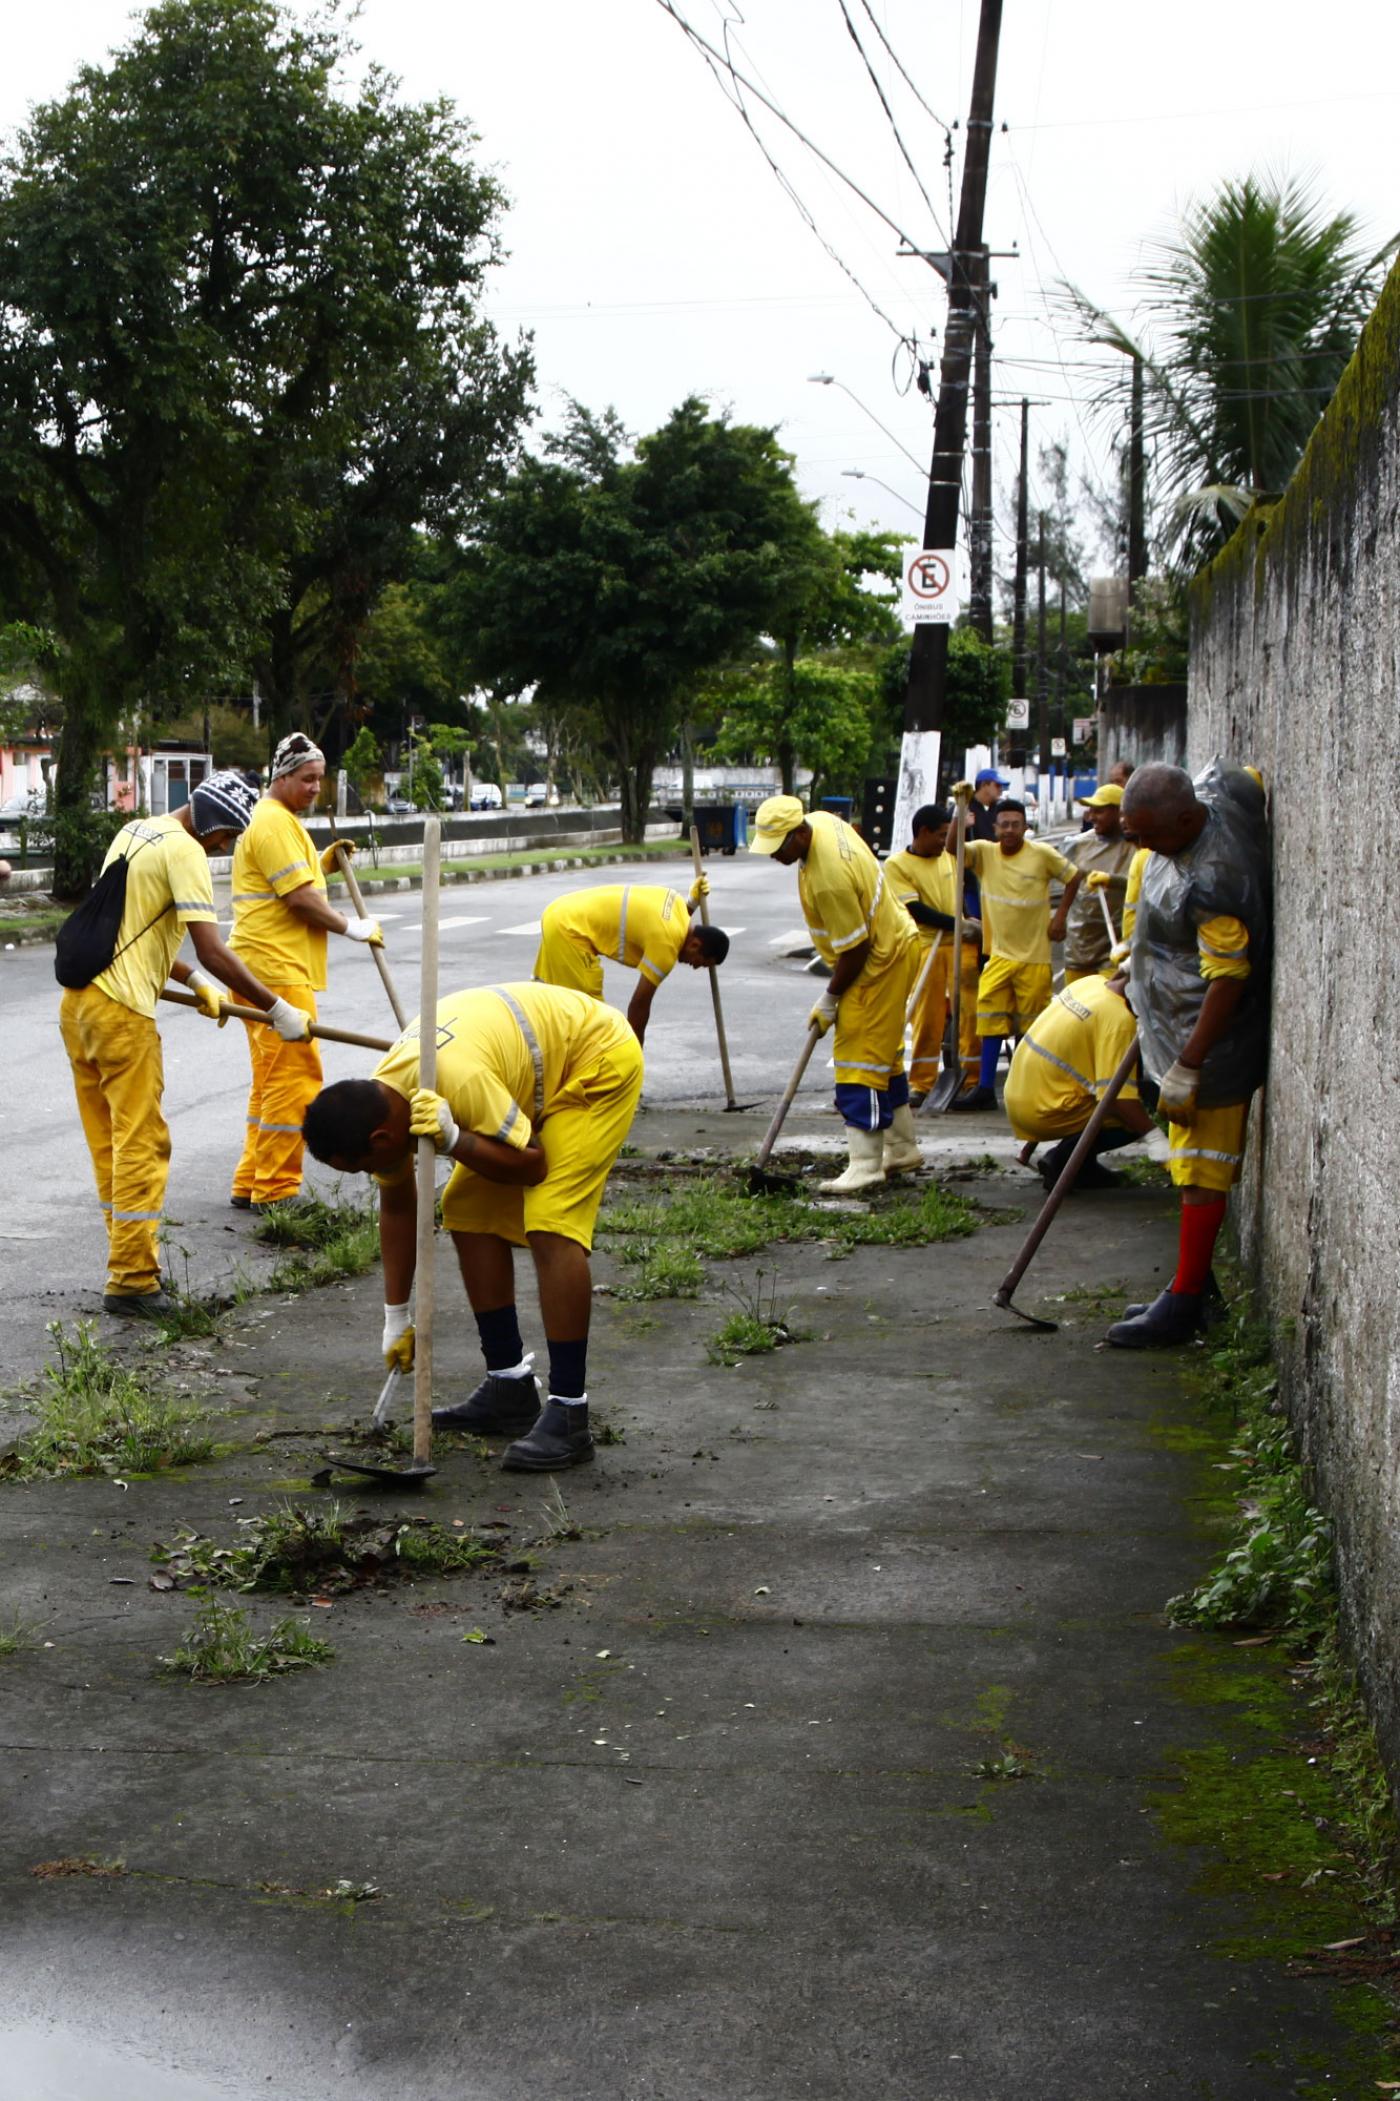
<point x="1060" y="1072"/>
<point x="643" y="925"/>
<point x="536" y="1090"/>
<point x="868" y="939"/>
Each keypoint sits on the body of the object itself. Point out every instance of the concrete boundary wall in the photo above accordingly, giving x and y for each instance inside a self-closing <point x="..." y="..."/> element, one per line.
<point x="1295" y="667"/>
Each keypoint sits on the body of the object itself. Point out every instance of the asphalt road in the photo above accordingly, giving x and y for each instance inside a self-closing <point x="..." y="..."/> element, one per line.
<point x="52" y="1234"/>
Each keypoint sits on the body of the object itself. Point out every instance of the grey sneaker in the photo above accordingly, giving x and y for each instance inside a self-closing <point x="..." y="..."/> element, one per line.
<point x="496" y="1408"/>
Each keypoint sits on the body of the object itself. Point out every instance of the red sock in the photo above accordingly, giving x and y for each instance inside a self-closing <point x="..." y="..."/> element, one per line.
<point x="1200" y="1223"/>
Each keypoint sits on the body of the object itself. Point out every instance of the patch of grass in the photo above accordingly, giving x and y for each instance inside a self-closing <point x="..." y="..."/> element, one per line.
<point x="325" y="1242"/>
<point x="97" y="1416"/>
<point x="31" y="926"/>
<point x="559" y="1523"/>
<point x="659" y="1270"/>
<point x="755" y="1328"/>
<point x="223" y="1648"/>
<point x="296" y="1550"/>
<point x="931" y="1215"/>
<point x="1142" y="1173"/>
<point x="715" y="1219"/>
<point x="16" y="1636"/>
<point x="1013" y="1764"/>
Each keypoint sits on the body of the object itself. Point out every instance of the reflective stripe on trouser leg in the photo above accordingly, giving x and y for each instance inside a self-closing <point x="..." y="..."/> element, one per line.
<point x="868" y="1047"/>
<point x="286" y="1080"/>
<point x="861" y="1107"/>
<point x="930" y="1020"/>
<point x="118" y="1078"/>
<point x="1208" y="1152"/>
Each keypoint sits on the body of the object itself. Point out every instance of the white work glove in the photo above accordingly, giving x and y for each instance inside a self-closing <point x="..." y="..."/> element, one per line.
<point x="290" y="1023"/>
<point x="330" y="859"/>
<point x="698" y="889"/>
<point x="1176" y="1097"/>
<point x="824" y="1013"/>
<point x="213" y="1000"/>
<point x="430" y="1117"/>
<point x="364" y="930"/>
<point x="1159" y="1146"/>
<point x="397" y="1344"/>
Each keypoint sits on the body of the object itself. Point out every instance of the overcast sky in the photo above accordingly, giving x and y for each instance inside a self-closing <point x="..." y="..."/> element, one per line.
<point x="654" y="254"/>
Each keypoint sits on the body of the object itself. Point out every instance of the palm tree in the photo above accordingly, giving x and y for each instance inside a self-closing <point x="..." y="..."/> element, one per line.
<point x="1251" y="312"/>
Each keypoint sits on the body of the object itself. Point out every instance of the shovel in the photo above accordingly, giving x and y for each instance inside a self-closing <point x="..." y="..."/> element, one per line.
<point x="949" y="1084"/>
<point x="729" y="1101"/>
<point x="1061" y="1190"/>
<point x="421" y="1468"/>
<point x="761" y="1183"/>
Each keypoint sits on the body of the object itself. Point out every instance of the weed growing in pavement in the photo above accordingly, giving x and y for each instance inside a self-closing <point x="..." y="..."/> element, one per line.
<point x="97" y="1416"/>
<point x="429" y="1551"/>
<point x="324" y="1242"/>
<point x="1142" y="1173"/>
<point x="192" y="1318"/>
<point x="756" y="1328"/>
<point x="918" y="1220"/>
<point x="558" y="1523"/>
<point x="658" y="1270"/>
<point x="1013" y="1764"/>
<point x="711" y="1218"/>
<point x="223" y="1648"/>
<point x="296" y="1550"/>
<point x="16" y="1636"/>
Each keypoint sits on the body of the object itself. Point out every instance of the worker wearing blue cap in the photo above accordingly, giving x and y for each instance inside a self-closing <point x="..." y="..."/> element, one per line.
<point x="987" y="790"/>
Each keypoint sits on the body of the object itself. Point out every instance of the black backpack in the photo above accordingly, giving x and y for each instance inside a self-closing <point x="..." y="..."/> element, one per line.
<point x="87" y="940"/>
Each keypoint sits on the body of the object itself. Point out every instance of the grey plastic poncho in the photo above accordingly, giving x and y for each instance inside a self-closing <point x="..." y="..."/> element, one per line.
<point x="1227" y="870"/>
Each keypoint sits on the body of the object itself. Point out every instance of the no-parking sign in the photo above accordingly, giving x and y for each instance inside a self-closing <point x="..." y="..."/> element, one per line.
<point x="930" y="591"/>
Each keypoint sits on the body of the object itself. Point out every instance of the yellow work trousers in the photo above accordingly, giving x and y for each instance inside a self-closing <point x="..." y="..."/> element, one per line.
<point x="931" y="1018"/>
<point x="1010" y="996"/>
<point x="1208" y="1152"/>
<point x="119" y="1078"/>
<point x="580" y="1139"/>
<point x="286" y="1080"/>
<point x="869" y="1039"/>
<point x="562" y="960"/>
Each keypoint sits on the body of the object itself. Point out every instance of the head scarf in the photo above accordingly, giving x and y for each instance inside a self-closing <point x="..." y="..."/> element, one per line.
<point x="222" y="803"/>
<point x="294" y="751"/>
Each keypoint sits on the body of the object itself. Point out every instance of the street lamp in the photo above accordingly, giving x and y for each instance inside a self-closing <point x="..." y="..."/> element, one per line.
<point x="859" y="474"/>
<point x="827" y="379"/>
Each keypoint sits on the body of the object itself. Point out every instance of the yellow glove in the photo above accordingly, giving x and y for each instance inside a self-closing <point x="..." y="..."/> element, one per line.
<point x="330" y="863"/>
<point x="963" y="790"/>
<point x="1097" y="879"/>
<point x="397" y="1341"/>
<point x="430" y="1117"/>
<point x="213" y="1001"/>
<point x="699" y="888"/>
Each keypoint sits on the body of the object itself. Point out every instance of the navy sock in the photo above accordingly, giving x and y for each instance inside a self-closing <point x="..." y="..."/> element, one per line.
<point x="500" y="1338"/>
<point x="991" y="1052"/>
<point x="568" y="1370"/>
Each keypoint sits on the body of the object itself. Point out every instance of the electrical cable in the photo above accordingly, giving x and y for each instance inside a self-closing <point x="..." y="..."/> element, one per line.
<point x="900" y="68"/>
<point x="854" y="35"/>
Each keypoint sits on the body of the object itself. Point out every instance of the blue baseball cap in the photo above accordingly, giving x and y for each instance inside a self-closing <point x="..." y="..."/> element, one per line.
<point x="989" y="773"/>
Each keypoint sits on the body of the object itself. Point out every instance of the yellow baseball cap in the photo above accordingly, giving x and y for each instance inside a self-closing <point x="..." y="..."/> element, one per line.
<point x="773" y="820"/>
<point x="1102" y="797"/>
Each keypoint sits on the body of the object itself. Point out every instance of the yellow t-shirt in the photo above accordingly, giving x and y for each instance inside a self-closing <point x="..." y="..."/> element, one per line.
<point x="1016" y="896"/>
<point x="845" y="898"/>
<point x="274" y="856"/>
<point x="1222" y="947"/>
<point x="641" y="924"/>
<point x="503" y="1079"/>
<point x="925" y="879"/>
<point x="1070" y="1052"/>
<point x="168" y="883"/>
<point x="1134" y="890"/>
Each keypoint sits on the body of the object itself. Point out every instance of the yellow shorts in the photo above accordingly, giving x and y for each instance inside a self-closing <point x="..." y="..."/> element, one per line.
<point x="1209" y="1151"/>
<point x="580" y="1141"/>
<point x="868" y="1048"/>
<point x="1010" y="995"/>
<point x="1090" y="970"/>
<point x="564" y="961"/>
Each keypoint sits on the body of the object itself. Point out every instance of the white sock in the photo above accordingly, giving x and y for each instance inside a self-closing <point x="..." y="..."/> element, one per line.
<point x="570" y="1400"/>
<point x="517" y="1371"/>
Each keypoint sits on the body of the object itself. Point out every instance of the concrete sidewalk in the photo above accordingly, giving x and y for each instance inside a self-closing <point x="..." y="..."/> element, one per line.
<point x="725" y="1822"/>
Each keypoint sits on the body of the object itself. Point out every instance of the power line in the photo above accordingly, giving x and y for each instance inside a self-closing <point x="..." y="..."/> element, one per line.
<point x="903" y="74"/>
<point x="889" y="117"/>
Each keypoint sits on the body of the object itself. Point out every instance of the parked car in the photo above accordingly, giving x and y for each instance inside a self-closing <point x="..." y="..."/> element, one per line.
<point x="537" y="795"/>
<point x="398" y="806"/>
<point x="486" y="796"/>
<point x="30" y="805"/>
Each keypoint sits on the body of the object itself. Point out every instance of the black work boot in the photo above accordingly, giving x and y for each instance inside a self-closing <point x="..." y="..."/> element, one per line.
<point x="560" y="1438"/>
<point x="1173" y="1316"/>
<point x="496" y="1408"/>
<point x="1211" y="1304"/>
<point x="979" y="1098"/>
<point x="140" y="1305"/>
<point x="1090" y="1176"/>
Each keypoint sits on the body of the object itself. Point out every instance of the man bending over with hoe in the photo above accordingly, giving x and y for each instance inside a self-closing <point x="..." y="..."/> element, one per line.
<point x="641" y="924"/>
<point x="1199" y="987"/>
<point x="536" y="1091"/>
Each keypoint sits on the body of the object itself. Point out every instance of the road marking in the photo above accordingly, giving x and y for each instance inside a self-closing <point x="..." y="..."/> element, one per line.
<point x="799" y="939"/>
<point x="526" y="926"/>
<point x="415" y="933"/>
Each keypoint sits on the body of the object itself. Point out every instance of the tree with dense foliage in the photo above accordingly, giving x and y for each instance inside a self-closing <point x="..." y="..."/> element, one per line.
<point x="979" y="686"/>
<point x="612" y="578"/>
<point x="1252" y="310"/>
<point x="241" y="359"/>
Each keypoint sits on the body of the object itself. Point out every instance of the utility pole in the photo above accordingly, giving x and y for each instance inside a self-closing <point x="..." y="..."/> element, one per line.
<point x="980" y="525"/>
<point x="925" y="695"/>
<point x="1137" y="501"/>
<point x="1018" y="602"/>
<point x="1042" y="684"/>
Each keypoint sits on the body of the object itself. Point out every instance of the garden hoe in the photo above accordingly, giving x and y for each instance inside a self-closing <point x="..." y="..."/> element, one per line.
<point x="949" y="1084"/>
<point x="420" y="1468"/>
<point x="760" y="1182"/>
<point x="342" y="861"/>
<point x="1060" y="1191"/>
<point x="318" y="1031"/>
<point x="729" y="1101"/>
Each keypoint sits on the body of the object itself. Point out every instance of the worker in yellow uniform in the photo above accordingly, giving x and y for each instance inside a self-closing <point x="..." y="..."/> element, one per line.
<point x="536" y="1091"/>
<point x="1060" y="1070"/>
<point x="1101" y="852"/>
<point x="869" y="941"/>
<point x="109" y="1027"/>
<point x="1014" y="877"/>
<point x="643" y="925"/>
<point x="924" y="879"/>
<point x="281" y="916"/>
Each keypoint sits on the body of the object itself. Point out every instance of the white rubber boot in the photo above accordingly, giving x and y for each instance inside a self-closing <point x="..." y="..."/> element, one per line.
<point x="865" y="1163"/>
<point x="902" y="1155"/>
